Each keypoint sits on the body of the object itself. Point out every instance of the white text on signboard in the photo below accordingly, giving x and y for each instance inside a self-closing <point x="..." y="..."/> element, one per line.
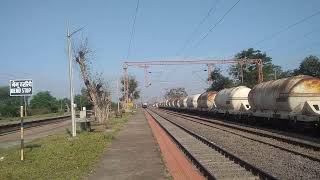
<point x="20" y="87"/>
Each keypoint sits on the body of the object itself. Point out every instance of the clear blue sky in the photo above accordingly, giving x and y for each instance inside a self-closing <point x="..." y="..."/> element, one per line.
<point x="33" y="42"/>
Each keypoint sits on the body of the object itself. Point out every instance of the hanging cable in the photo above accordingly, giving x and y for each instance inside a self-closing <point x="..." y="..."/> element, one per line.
<point x="273" y="35"/>
<point x="133" y="28"/>
<point x="212" y="10"/>
<point x="215" y="25"/>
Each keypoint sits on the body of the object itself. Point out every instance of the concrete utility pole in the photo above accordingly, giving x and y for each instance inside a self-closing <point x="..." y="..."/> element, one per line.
<point x="118" y="90"/>
<point x="73" y="117"/>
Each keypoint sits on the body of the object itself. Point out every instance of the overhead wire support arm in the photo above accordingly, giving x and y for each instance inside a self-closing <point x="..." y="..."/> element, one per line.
<point x="188" y="62"/>
<point x="209" y="63"/>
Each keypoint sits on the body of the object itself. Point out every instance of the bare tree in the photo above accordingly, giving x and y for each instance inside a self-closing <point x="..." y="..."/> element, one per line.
<point x="97" y="89"/>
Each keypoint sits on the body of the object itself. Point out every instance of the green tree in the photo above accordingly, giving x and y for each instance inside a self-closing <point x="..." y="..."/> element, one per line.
<point x="309" y="66"/>
<point x="250" y="72"/>
<point x="134" y="93"/>
<point x="176" y="93"/>
<point x="83" y="100"/>
<point x="114" y="106"/>
<point x="219" y="81"/>
<point x="43" y="102"/>
<point x="284" y="74"/>
<point x="64" y="105"/>
<point x="278" y="73"/>
<point x="9" y="106"/>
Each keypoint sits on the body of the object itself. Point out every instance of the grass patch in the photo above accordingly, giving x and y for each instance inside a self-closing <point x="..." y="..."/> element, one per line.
<point x="59" y="156"/>
<point x="34" y="117"/>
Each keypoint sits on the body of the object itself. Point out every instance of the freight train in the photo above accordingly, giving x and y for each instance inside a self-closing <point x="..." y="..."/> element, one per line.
<point x="294" y="99"/>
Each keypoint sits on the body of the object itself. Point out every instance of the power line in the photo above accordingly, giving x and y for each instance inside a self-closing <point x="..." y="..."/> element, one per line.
<point x="212" y="10"/>
<point x="133" y="28"/>
<point x="273" y="35"/>
<point x="295" y="39"/>
<point x="215" y="25"/>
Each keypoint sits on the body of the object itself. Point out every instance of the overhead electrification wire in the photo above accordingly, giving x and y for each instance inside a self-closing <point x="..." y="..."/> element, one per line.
<point x="297" y="38"/>
<point x="212" y="10"/>
<point x="215" y="25"/>
<point x="273" y="35"/>
<point x="133" y="28"/>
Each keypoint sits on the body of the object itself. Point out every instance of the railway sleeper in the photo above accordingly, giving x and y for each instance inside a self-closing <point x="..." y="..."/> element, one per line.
<point x="221" y="167"/>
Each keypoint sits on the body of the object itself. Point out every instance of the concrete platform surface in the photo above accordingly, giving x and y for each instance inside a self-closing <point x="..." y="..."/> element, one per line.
<point x="133" y="154"/>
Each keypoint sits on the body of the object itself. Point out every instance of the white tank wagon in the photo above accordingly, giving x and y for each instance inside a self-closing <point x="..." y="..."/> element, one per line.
<point x="183" y="103"/>
<point x="206" y="101"/>
<point x="170" y="103"/>
<point x="176" y="103"/>
<point x="296" y="98"/>
<point x="166" y="103"/>
<point x="192" y="101"/>
<point x="233" y="100"/>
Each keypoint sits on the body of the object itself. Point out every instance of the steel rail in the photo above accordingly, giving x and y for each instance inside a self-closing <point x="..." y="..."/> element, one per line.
<point x="8" y="128"/>
<point x="237" y="126"/>
<point x="255" y="170"/>
<point x="202" y="169"/>
<point x="266" y="143"/>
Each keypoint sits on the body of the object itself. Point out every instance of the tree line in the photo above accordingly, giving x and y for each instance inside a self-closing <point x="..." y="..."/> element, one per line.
<point x="309" y="66"/>
<point x="41" y="103"/>
<point x="96" y="94"/>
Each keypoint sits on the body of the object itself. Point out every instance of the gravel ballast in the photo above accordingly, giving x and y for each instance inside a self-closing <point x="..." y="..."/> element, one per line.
<point x="280" y="163"/>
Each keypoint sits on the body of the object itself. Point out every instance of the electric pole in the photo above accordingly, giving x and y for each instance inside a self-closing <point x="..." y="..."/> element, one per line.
<point x="73" y="118"/>
<point x="118" y="95"/>
<point x="71" y="84"/>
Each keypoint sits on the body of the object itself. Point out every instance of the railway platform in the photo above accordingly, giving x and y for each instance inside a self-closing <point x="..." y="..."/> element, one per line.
<point x="133" y="154"/>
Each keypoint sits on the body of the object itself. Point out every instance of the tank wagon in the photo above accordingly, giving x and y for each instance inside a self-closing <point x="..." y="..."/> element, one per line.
<point x="192" y="102"/>
<point x="295" y="98"/>
<point x="166" y="103"/>
<point x="183" y="103"/>
<point x="206" y="101"/>
<point x="171" y="105"/>
<point x="176" y="104"/>
<point x="233" y="100"/>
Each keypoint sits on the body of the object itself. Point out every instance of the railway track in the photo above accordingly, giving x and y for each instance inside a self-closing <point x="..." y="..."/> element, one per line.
<point x="9" y="128"/>
<point x="295" y="138"/>
<point x="304" y="149"/>
<point x="213" y="161"/>
<point x="277" y="156"/>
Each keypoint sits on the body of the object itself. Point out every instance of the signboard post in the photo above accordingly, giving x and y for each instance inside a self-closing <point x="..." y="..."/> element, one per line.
<point x="21" y="88"/>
